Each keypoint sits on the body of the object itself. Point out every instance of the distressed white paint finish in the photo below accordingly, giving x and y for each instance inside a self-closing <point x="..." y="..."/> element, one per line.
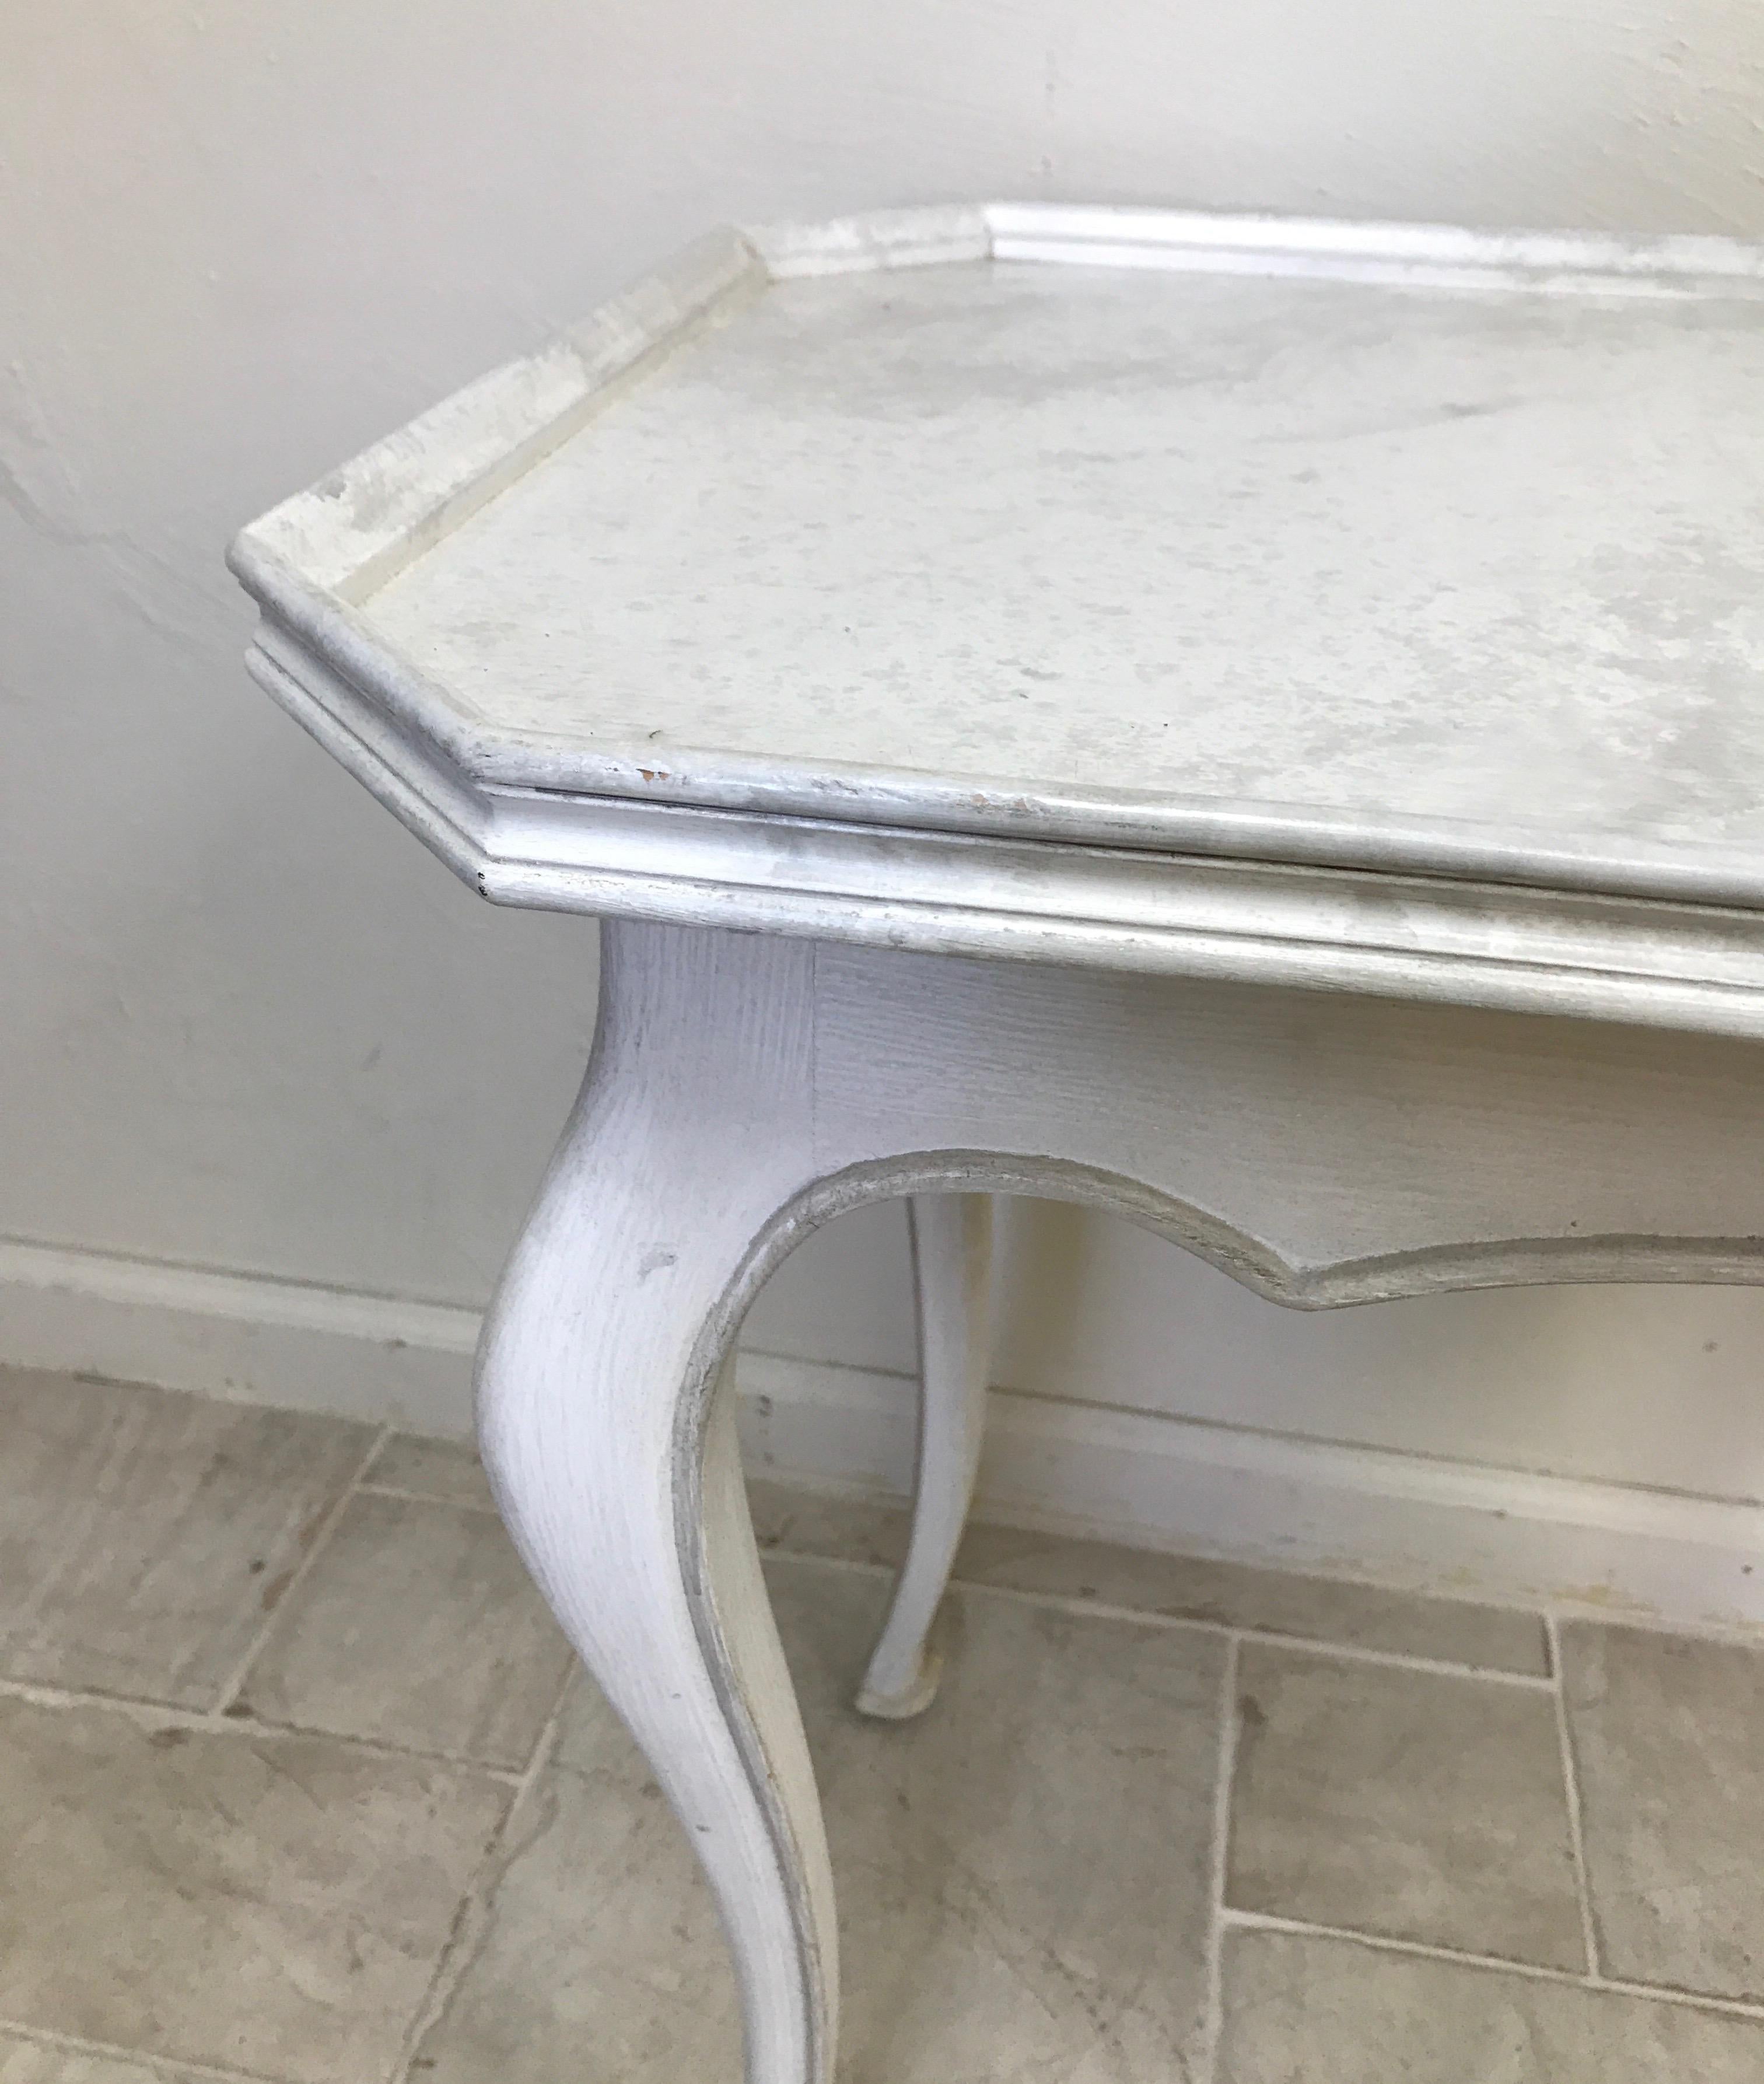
<point x="616" y="678"/>
<point x="952" y="1264"/>
<point x="1325" y="1150"/>
<point x="612" y="1454"/>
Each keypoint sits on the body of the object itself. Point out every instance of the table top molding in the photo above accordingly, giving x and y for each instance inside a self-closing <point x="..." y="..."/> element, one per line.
<point x="1619" y="925"/>
<point x="1505" y="947"/>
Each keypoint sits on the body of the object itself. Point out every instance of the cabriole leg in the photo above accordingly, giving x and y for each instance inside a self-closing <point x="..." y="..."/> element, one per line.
<point x="952" y="1258"/>
<point x="606" y="1421"/>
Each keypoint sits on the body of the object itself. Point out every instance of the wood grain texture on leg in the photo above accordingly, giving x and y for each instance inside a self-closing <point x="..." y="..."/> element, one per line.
<point x="952" y="1260"/>
<point x="606" y="1423"/>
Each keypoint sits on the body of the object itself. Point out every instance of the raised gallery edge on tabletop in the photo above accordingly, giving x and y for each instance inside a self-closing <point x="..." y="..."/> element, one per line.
<point x="1581" y="922"/>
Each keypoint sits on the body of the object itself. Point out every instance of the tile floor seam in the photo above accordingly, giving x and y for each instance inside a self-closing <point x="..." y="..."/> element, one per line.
<point x="379" y="1747"/>
<point x="382" y="1440"/>
<point x="1401" y="1660"/>
<point x="1213" y="2027"/>
<point x="162" y="2065"/>
<point x="1107" y="1610"/>
<point x="1729" y="1635"/>
<point x="367" y="1487"/>
<point x="209" y="1722"/>
<point x="1503" y="1964"/>
<point x="463" y="1940"/>
<point x="235" y="1680"/>
<point x="36" y="1693"/>
<point x="1570" y="1783"/>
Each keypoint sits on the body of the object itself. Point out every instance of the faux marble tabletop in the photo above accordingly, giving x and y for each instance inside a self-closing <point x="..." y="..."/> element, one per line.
<point x="1491" y="559"/>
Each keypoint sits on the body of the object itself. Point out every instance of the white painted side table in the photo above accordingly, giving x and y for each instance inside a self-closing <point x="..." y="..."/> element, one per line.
<point x="1258" y="726"/>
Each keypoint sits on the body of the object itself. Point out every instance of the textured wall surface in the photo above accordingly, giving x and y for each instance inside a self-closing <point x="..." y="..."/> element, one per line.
<point x="247" y="1022"/>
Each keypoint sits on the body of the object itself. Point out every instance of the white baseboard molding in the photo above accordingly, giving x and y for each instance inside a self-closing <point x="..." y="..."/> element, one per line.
<point x="242" y="1336"/>
<point x="1458" y="1529"/>
<point x="1448" y="1527"/>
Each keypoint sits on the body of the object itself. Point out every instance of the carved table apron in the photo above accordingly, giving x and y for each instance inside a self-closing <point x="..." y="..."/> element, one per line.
<point x="1256" y="727"/>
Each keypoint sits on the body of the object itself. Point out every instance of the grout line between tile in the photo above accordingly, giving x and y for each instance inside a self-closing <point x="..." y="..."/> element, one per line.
<point x="1665" y="1993"/>
<point x="321" y="1541"/>
<point x="383" y="1441"/>
<point x="1571" y="1784"/>
<point x="1107" y="1610"/>
<point x="367" y="1487"/>
<point x="467" y="1930"/>
<point x="1735" y="1635"/>
<point x="1225" y="1775"/>
<point x="260" y="1725"/>
<point x="163" y="2065"/>
<point x="1380" y="1943"/>
<point x="1355" y="1653"/>
<point x="165" y="1714"/>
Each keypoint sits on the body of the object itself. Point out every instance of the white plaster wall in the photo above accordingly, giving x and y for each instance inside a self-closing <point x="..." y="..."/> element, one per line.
<point x="245" y="1022"/>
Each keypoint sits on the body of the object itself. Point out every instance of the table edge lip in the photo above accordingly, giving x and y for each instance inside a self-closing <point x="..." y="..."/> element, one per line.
<point x="1599" y="863"/>
<point x="1504" y="946"/>
<point x="314" y="562"/>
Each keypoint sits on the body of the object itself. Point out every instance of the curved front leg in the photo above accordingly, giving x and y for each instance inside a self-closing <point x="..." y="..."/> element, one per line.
<point x="952" y="1263"/>
<point x="607" y="1423"/>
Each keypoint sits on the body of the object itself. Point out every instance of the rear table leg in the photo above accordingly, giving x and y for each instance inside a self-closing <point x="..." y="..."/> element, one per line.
<point x="952" y="1252"/>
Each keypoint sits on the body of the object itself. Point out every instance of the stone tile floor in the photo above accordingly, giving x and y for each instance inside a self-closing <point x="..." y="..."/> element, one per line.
<point x="297" y="1783"/>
